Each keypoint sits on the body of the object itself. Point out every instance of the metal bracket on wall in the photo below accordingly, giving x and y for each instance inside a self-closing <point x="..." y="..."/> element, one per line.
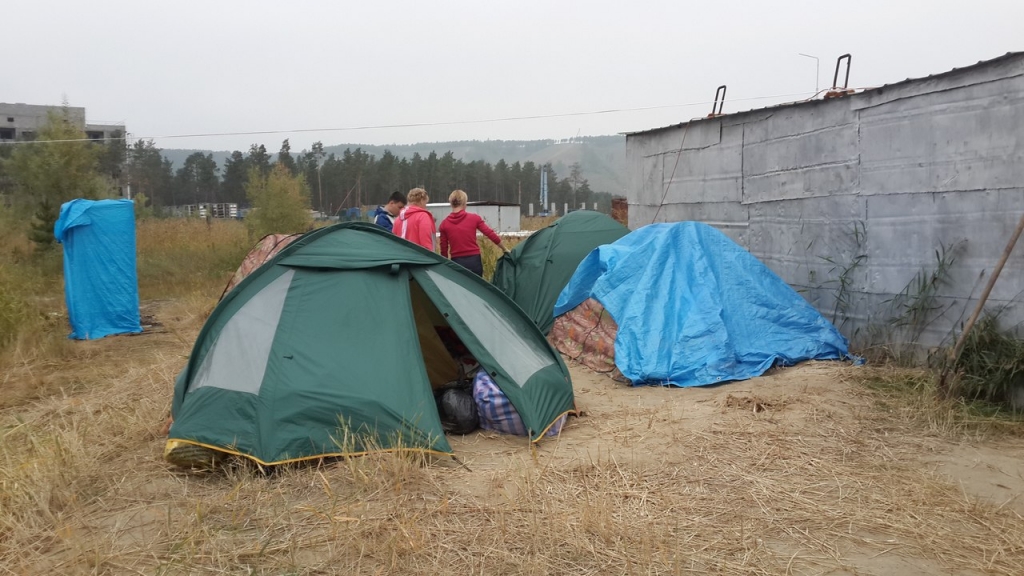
<point x="836" y="90"/>
<point x="718" y="102"/>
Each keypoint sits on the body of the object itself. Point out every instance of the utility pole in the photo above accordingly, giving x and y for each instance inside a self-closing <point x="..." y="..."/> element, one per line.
<point x="817" y="69"/>
<point x="575" y="175"/>
<point x="319" y="187"/>
<point x="544" y="188"/>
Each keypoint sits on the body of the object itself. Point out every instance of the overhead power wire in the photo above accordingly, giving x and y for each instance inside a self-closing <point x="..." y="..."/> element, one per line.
<point x="407" y="125"/>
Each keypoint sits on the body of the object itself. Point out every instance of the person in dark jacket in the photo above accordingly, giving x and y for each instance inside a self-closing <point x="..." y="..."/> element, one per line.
<point x="458" y="234"/>
<point x="384" y="216"/>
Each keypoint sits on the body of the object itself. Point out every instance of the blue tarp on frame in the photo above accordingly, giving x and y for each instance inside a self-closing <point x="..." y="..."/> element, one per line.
<point x="100" y="280"/>
<point x="694" y="308"/>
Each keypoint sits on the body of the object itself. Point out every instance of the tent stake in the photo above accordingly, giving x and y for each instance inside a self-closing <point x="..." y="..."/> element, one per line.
<point x="955" y="353"/>
<point x="460" y="463"/>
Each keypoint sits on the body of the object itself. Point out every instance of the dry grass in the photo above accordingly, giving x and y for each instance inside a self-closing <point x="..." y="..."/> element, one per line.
<point x="83" y="490"/>
<point x="536" y="222"/>
<point x="182" y="256"/>
<point x="490" y="254"/>
<point x="31" y="298"/>
<point x="910" y="396"/>
<point x="825" y="477"/>
<point x="177" y="258"/>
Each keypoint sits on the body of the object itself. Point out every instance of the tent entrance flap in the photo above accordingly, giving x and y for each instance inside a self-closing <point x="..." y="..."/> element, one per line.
<point x="495" y="330"/>
<point x="441" y="367"/>
<point x="505" y="343"/>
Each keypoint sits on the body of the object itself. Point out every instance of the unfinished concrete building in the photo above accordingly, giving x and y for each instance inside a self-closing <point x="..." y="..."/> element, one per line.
<point x="23" y="122"/>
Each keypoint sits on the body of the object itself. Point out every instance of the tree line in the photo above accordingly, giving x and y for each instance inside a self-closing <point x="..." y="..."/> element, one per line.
<point x="37" y="177"/>
<point x="353" y="178"/>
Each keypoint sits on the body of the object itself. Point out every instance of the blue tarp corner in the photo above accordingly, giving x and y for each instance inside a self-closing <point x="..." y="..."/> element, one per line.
<point x="101" y="285"/>
<point x="694" y="308"/>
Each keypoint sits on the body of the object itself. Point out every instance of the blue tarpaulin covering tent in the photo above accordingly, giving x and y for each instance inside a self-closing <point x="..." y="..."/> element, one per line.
<point x="695" y="308"/>
<point x="100" y="282"/>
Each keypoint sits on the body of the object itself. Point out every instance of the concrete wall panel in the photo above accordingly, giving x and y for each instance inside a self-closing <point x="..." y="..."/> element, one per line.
<point x="650" y="181"/>
<point x="729" y="217"/>
<point x="823" y="147"/>
<point x="808" y="182"/>
<point x="798" y="121"/>
<point x="907" y="229"/>
<point x="691" y="136"/>
<point x="848" y="200"/>
<point x="712" y="174"/>
<point x="945" y="141"/>
<point x="1009" y="66"/>
<point x="812" y="243"/>
<point x="820" y="162"/>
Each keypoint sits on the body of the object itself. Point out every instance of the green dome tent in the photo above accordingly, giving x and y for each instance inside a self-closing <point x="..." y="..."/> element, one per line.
<point x="538" y="268"/>
<point x="332" y="348"/>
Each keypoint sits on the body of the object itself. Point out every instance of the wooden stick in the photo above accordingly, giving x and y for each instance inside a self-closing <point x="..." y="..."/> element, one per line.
<point x="977" y="309"/>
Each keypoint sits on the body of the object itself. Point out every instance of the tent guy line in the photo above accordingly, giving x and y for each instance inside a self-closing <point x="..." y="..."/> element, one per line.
<point x="408" y="125"/>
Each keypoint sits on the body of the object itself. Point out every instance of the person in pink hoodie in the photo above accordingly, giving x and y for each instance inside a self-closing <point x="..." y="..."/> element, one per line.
<point x="458" y="234"/>
<point x="415" y="223"/>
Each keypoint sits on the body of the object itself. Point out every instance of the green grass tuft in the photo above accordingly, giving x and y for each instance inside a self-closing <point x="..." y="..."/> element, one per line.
<point x="991" y="366"/>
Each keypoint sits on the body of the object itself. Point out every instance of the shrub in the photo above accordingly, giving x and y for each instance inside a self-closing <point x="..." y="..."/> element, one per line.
<point x="60" y="167"/>
<point x="280" y="203"/>
<point x="991" y="365"/>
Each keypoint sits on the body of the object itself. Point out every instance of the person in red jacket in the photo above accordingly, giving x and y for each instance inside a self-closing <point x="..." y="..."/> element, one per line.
<point x="415" y="223"/>
<point x="458" y="234"/>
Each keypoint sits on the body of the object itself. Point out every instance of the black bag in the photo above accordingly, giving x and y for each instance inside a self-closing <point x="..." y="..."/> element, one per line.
<point x="458" y="411"/>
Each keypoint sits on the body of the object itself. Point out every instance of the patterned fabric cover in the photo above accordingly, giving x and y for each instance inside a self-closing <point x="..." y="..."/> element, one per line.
<point x="586" y="334"/>
<point x="264" y="250"/>
<point x="497" y="413"/>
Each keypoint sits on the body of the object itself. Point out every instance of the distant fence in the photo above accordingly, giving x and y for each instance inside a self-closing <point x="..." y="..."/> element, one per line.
<point x="213" y="210"/>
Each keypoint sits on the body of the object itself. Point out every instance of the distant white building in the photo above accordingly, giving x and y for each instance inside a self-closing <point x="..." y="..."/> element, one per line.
<point x="503" y="217"/>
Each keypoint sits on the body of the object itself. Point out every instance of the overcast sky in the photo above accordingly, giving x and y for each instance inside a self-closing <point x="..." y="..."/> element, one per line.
<point x="176" y="68"/>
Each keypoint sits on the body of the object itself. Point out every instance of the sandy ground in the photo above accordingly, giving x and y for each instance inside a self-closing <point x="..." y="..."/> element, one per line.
<point x="802" y="471"/>
<point x="788" y="409"/>
<point x="641" y="423"/>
